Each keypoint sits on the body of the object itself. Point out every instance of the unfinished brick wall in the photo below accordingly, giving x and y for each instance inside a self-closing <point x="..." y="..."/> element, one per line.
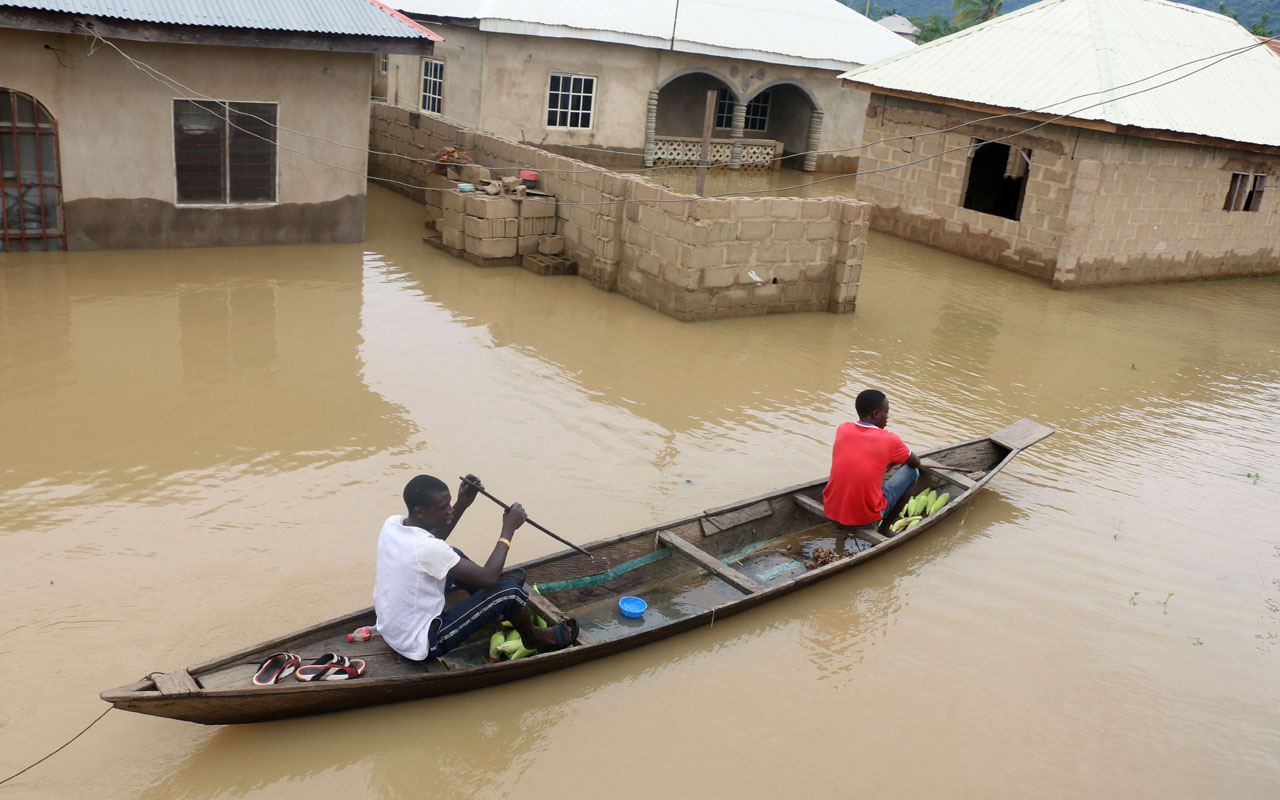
<point x="689" y="257"/>
<point x="1146" y="210"/>
<point x="1099" y="208"/>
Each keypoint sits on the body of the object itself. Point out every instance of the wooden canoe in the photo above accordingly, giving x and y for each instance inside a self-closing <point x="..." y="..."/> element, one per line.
<point x="691" y="571"/>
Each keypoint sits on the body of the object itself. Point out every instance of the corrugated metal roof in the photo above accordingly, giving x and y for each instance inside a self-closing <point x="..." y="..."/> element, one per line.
<point x="898" y="24"/>
<point x="815" y="33"/>
<point x="1038" y="57"/>
<point x="347" y="17"/>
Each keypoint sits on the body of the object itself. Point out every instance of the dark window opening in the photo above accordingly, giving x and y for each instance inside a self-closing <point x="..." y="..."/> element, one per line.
<point x="30" y="181"/>
<point x="997" y="178"/>
<point x="224" y="152"/>
<point x="1245" y="193"/>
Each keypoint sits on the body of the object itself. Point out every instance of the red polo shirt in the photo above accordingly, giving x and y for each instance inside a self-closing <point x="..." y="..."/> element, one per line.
<point x="854" y="493"/>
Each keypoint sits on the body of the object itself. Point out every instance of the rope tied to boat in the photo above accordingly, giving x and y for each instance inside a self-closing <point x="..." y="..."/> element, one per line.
<point x="55" y="752"/>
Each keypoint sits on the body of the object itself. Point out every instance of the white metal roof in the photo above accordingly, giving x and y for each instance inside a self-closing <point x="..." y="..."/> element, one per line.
<point x="898" y="24"/>
<point x="1041" y="56"/>
<point x="811" y="33"/>
<point x="347" y="17"/>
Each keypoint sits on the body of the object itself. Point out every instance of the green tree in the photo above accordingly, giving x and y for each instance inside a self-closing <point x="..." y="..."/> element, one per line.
<point x="935" y="26"/>
<point x="971" y="12"/>
<point x="1258" y="28"/>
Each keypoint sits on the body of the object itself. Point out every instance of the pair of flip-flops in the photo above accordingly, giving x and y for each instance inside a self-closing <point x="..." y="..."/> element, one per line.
<point x="328" y="667"/>
<point x="332" y="667"/>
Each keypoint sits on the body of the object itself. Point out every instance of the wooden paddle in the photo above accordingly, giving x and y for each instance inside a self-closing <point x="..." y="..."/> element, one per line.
<point x="476" y="486"/>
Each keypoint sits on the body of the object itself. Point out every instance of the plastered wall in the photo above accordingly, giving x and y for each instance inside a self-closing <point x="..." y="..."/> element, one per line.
<point x="500" y="82"/>
<point x="115" y="128"/>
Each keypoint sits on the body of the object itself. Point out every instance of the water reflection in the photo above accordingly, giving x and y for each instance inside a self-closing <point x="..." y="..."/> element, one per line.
<point x="181" y="361"/>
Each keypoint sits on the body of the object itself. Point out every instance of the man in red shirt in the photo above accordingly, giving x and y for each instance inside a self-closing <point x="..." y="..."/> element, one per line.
<point x="857" y="492"/>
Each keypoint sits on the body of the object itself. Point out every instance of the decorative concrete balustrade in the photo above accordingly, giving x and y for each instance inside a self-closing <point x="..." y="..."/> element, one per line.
<point x="687" y="256"/>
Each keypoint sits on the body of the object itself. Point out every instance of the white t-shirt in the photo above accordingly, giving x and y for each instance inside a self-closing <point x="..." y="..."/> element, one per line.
<point x="408" y="592"/>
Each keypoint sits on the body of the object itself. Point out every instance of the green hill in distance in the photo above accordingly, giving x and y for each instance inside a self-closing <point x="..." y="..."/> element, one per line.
<point x="1249" y="12"/>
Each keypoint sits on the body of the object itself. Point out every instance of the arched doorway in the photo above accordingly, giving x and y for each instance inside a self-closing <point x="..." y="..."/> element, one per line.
<point x="30" y="180"/>
<point x="786" y="113"/>
<point x="677" y="110"/>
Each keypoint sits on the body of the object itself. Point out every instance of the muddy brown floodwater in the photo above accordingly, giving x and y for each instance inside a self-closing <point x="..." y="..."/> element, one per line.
<point x="197" y="449"/>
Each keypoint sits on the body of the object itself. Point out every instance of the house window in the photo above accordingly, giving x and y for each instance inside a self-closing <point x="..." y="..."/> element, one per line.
<point x="757" y="118"/>
<point x="997" y="178"/>
<point x="1245" y="193"/>
<point x="571" y="101"/>
<point x="30" y="186"/>
<point x="724" y="109"/>
<point x="382" y="63"/>
<point x="758" y="113"/>
<point x="224" y="152"/>
<point x="432" y="85"/>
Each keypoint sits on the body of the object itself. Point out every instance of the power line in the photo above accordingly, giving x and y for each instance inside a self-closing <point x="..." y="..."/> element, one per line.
<point x="173" y="83"/>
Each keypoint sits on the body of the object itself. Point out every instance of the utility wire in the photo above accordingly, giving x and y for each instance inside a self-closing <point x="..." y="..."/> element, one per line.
<point x="1220" y="57"/>
<point x="686" y="163"/>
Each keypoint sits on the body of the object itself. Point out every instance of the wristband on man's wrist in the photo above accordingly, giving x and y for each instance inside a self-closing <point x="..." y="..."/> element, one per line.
<point x="505" y="540"/>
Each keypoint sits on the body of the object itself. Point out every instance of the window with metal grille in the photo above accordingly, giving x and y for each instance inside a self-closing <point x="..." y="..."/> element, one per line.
<point x="30" y="183"/>
<point x="724" y="109"/>
<point x="758" y="113"/>
<point x="1245" y="193"/>
<point x="757" y="117"/>
<point x="571" y="101"/>
<point x="224" y="152"/>
<point x="382" y="64"/>
<point x="432" y="85"/>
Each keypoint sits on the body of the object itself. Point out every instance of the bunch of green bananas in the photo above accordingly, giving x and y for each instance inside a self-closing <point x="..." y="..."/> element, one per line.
<point x="919" y="507"/>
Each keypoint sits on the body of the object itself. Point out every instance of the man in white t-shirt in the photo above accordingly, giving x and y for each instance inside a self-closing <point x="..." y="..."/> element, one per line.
<point x="417" y="569"/>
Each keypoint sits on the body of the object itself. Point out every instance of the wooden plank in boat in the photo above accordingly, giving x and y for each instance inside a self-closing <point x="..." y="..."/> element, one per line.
<point x="708" y="562"/>
<point x="868" y="535"/>
<point x="954" y="476"/>
<point x="1021" y="434"/>
<point x="809" y="504"/>
<point x="553" y="615"/>
<point x="716" y="522"/>
<point x="176" y="684"/>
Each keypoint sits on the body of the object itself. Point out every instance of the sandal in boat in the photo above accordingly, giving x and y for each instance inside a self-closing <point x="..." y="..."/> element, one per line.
<point x="277" y="666"/>
<point x="331" y="667"/>
<point x="566" y="633"/>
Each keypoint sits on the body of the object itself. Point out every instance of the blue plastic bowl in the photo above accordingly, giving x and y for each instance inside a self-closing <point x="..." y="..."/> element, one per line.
<point x="632" y="606"/>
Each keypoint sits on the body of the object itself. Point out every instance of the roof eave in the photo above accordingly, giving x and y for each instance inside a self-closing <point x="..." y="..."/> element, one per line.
<point x="1071" y="122"/>
<point x="129" y="30"/>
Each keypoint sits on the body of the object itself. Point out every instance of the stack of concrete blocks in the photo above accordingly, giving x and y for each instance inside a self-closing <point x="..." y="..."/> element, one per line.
<point x="689" y="257"/>
<point x="497" y="230"/>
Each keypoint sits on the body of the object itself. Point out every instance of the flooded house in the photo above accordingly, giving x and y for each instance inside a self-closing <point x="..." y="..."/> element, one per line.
<point x="133" y="124"/>
<point x="1083" y="142"/>
<point x="633" y="78"/>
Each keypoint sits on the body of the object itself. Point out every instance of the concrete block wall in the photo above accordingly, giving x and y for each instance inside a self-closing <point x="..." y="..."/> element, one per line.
<point x="1099" y="209"/>
<point x="1148" y="210"/>
<point x="925" y="202"/>
<point x="689" y="257"/>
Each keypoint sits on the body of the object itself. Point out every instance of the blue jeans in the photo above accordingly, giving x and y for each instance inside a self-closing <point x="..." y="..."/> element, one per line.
<point x="897" y="485"/>
<point x="456" y="624"/>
